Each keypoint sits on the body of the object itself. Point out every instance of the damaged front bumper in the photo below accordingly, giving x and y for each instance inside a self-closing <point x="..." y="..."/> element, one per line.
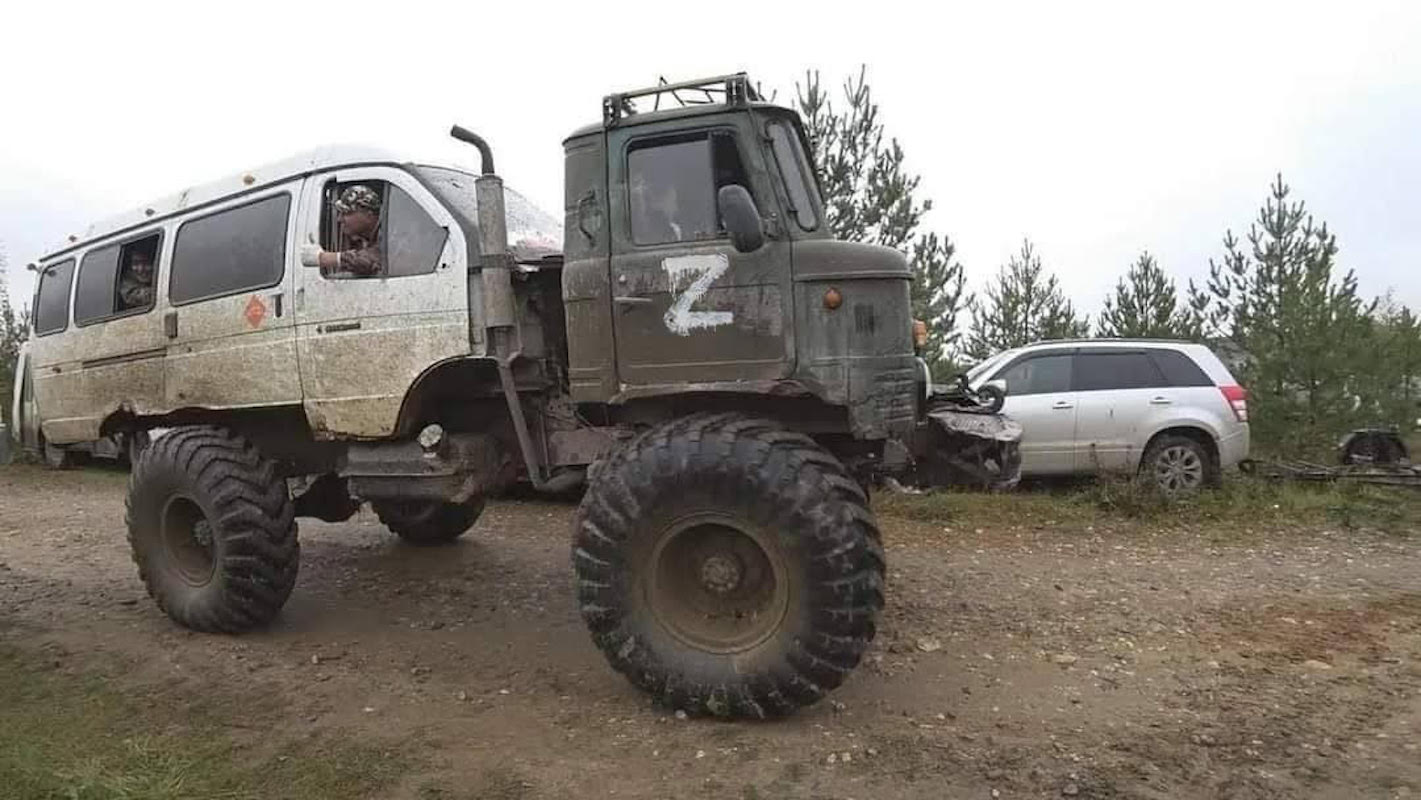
<point x="952" y="447"/>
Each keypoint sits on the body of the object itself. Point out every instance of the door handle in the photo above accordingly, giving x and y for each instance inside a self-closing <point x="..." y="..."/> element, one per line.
<point x="276" y="303"/>
<point x="170" y="324"/>
<point x="1062" y="404"/>
<point x="631" y="301"/>
<point x="337" y="327"/>
<point x="1160" y="401"/>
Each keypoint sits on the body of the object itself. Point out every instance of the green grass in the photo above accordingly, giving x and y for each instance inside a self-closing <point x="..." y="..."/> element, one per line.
<point x="1242" y="501"/>
<point x="84" y="737"/>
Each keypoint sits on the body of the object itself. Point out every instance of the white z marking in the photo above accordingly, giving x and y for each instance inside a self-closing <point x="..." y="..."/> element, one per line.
<point x="700" y="272"/>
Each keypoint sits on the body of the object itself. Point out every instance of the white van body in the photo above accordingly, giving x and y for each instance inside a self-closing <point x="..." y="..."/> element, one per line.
<point x="343" y="351"/>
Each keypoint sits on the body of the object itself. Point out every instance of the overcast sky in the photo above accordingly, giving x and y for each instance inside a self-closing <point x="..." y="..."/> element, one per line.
<point x="1097" y="130"/>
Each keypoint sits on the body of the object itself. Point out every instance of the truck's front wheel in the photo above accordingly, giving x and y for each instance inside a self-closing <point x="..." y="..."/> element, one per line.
<point x="730" y="567"/>
<point x="212" y="530"/>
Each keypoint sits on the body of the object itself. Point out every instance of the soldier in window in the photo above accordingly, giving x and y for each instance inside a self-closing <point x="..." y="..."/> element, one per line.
<point x="655" y="211"/>
<point x="359" y="254"/>
<point x="135" y="285"/>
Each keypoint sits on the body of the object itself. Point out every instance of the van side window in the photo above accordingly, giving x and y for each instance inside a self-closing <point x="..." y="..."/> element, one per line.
<point x="673" y="183"/>
<point x="52" y="303"/>
<point x="116" y="280"/>
<point x="234" y="250"/>
<point x="407" y="239"/>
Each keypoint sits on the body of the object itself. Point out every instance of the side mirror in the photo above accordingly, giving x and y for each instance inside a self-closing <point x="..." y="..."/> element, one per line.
<point x="742" y="218"/>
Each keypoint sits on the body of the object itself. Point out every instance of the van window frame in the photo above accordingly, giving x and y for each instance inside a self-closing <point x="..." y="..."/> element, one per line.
<point x="73" y="261"/>
<point x="330" y="187"/>
<point x="291" y="203"/>
<point x="118" y="268"/>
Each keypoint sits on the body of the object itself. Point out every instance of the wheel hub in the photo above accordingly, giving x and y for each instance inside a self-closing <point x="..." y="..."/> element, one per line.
<point x="716" y="584"/>
<point x="721" y="573"/>
<point x="188" y="541"/>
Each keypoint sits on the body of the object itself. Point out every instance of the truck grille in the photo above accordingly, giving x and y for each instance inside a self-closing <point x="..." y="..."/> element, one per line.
<point x="893" y="392"/>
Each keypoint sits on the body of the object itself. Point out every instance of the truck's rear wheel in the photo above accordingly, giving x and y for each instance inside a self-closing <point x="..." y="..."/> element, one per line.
<point x="212" y="530"/>
<point x="428" y="522"/>
<point x="727" y="566"/>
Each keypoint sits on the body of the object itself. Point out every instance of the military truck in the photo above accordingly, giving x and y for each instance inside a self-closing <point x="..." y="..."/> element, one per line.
<point x="693" y="345"/>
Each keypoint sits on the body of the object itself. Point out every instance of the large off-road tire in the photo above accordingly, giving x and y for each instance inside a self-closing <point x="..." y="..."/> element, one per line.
<point x="212" y="530"/>
<point x="1179" y="465"/>
<point x="727" y="566"/>
<point x="426" y="522"/>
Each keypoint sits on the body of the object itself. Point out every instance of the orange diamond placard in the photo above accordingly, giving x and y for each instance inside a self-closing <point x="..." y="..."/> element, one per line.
<point x="255" y="311"/>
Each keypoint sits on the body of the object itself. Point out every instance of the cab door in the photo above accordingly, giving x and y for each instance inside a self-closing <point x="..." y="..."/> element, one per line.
<point x="363" y="341"/>
<point x="686" y="306"/>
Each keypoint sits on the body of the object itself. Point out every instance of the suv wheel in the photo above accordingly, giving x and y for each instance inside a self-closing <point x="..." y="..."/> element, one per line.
<point x="428" y="522"/>
<point x="727" y="566"/>
<point x="212" y="530"/>
<point x="1179" y="465"/>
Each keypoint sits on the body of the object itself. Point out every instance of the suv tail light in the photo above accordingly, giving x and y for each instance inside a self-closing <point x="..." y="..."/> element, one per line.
<point x="1237" y="397"/>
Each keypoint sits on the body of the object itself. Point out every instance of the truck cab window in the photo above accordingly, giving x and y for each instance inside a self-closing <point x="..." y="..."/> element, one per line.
<point x="790" y="160"/>
<point x="673" y="186"/>
<point x="381" y="232"/>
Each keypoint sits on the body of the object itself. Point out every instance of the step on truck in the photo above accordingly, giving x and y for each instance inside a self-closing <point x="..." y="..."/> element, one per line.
<point x="691" y="344"/>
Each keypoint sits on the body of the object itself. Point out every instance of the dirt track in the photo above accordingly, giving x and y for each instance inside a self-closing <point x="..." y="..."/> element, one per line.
<point x="1034" y="660"/>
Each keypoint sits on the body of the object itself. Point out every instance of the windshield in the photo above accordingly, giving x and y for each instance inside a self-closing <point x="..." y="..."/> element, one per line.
<point x="532" y="232"/>
<point x="787" y="146"/>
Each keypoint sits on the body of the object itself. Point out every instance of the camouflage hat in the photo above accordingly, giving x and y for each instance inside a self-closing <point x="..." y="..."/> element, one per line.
<point x="354" y="197"/>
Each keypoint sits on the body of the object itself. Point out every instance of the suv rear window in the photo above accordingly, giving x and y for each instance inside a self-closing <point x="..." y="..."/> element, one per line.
<point x="1179" y="369"/>
<point x="52" y="305"/>
<point x="1096" y="371"/>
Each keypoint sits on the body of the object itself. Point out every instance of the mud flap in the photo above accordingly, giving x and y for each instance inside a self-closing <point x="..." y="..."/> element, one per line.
<point x="963" y="448"/>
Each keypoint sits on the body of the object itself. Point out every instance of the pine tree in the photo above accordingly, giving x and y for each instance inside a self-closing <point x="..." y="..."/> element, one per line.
<point x="1145" y="305"/>
<point x="1024" y="305"/>
<point x="1305" y="333"/>
<point x="869" y="196"/>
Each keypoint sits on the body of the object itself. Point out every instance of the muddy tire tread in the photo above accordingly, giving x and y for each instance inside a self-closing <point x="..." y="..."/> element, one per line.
<point x="249" y="509"/>
<point x="782" y="476"/>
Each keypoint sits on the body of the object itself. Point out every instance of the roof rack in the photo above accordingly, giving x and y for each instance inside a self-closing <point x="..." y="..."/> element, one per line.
<point x="730" y="90"/>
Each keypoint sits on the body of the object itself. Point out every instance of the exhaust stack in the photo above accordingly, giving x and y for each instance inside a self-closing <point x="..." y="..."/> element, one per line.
<point x="495" y="263"/>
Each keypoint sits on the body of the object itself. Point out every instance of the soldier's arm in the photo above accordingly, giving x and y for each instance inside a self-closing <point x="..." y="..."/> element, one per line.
<point x="363" y="262"/>
<point x="135" y="294"/>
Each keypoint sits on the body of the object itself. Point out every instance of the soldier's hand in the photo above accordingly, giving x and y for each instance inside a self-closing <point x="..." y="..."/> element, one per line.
<point x="310" y="255"/>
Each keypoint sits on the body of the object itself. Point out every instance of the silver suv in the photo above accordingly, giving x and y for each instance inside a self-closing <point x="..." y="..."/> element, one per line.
<point x="1168" y="409"/>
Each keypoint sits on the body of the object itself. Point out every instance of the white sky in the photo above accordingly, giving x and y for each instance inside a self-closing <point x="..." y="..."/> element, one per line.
<point x="1095" y="129"/>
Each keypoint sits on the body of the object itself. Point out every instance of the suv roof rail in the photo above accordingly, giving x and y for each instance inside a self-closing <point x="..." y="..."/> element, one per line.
<point x="734" y="89"/>
<point x="1110" y="339"/>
